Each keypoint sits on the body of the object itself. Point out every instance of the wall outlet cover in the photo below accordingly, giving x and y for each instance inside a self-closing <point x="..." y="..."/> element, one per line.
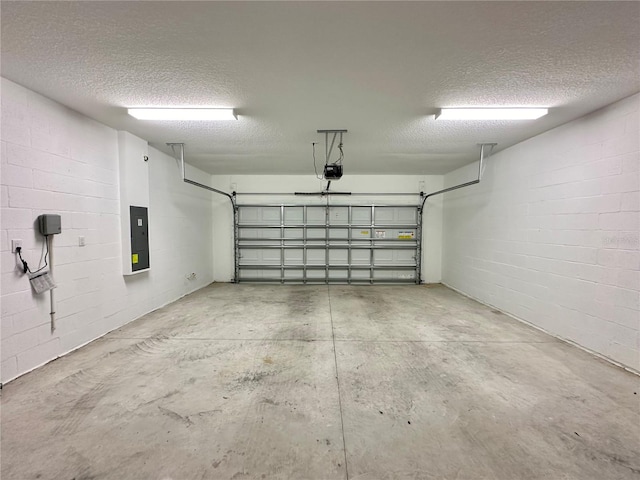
<point x="15" y="244"/>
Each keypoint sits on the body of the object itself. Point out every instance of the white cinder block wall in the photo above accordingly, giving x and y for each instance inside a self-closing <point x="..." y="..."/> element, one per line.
<point x="223" y="220"/>
<point x="55" y="160"/>
<point x="551" y="234"/>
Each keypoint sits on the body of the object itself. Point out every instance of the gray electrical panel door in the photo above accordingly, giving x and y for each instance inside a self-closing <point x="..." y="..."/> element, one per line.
<point x="139" y="238"/>
<point x="328" y="244"/>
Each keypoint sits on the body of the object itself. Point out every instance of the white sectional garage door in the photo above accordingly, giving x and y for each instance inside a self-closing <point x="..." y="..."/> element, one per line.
<point x="328" y="244"/>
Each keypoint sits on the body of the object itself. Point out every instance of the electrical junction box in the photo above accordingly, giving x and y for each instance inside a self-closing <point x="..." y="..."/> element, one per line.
<point x="332" y="171"/>
<point x="49" y="224"/>
<point x="139" y="238"/>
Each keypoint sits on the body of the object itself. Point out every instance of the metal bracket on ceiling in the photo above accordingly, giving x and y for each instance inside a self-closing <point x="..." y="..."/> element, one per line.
<point x="465" y="184"/>
<point x="482" y="156"/>
<point x="328" y="149"/>
<point x="173" y="146"/>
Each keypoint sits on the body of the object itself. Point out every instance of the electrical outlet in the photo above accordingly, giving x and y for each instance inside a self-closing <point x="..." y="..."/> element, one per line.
<point x="15" y="244"/>
<point x="81" y="241"/>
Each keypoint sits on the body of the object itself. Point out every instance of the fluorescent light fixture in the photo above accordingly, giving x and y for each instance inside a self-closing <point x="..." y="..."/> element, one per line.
<point x="491" y="113"/>
<point x="183" y="113"/>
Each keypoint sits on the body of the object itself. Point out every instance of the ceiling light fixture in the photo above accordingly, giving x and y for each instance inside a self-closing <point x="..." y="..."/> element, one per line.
<point x="183" y="113"/>
<point x="491" y="113"/>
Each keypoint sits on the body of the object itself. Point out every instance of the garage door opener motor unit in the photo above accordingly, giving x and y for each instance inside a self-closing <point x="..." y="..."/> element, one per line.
<point x="332" y="171"/>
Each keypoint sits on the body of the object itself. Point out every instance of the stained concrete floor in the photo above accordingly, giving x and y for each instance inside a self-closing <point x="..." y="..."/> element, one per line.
<point x="317" y="382"/>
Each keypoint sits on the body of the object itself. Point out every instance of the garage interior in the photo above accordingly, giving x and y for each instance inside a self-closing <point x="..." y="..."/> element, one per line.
<point x="331" y="279"/>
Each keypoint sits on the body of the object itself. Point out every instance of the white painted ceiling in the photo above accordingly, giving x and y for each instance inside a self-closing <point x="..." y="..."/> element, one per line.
<point x="378" y="69"/>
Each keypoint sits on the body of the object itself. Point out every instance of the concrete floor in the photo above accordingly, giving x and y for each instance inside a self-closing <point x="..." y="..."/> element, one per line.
<point x="317" y="382"/>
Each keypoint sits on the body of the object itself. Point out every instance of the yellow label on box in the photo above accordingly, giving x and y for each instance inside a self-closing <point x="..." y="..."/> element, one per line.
<point x="134" y="258"/>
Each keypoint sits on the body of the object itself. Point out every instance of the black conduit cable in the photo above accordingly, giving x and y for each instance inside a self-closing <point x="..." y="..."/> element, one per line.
<point x="315" y="168"/>
<point x="25" y="266"/>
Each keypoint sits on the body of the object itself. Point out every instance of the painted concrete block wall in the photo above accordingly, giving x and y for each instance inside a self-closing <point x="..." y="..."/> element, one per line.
<point x="551" y="235"/>
<point x="55" y="160"/>
<point x="223" y="219"/>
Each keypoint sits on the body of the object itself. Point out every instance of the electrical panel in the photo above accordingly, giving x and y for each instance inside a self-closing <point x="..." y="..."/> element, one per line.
<point x="49" y="224"/>
<point x="139" y="238"/>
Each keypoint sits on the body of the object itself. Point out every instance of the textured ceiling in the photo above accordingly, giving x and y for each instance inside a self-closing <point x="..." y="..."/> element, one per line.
<point x="378" y="69"/>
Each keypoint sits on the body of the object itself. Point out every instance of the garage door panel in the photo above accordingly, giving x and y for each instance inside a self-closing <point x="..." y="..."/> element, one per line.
<point x="339" y="233"/>
<point x="320" y="244"/>
<point x="293" y="233"/>
<point x="293" y="215"/>
<point x="316" y="216"/>
<point x="361" y="215"/>
<point x="249" y="215"/>
<point x="406" y="215"/>
<point x="361" y="275"/>
<point x="260" y="215"/>
<point x="402" y="233"/>
<point x="316" y="233"/>
<point x="291" y="274"/>
<point x="249" y="233"/>
<point x="293" y="256"/>
<point x="383" y="215"/>
<point x="250" y="257"/>
<point x="339" y="274"/>
<point x="338" y="215"/>
<point x="261" y="233"/>
<point x="255" y="274"/>
<point x="393" y="275"/>
<point x="393" y="257"/>
<point x="315" y="274"/>
<point x="270" y="215"/>
<point x="260" y="256"/>
<point x="316" y="257"/>
<point x="360" y="233"/>
<point x="382" y="257"/>
<point x="360" y="257"/>
<point x="395" y="215"/>
<point x="338" y="257"/>
<point x="245" y="274"/>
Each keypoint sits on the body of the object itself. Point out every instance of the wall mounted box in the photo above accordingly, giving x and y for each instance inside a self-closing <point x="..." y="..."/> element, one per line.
<point x="49" y="224"/>
<point x="134" y="203"/>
